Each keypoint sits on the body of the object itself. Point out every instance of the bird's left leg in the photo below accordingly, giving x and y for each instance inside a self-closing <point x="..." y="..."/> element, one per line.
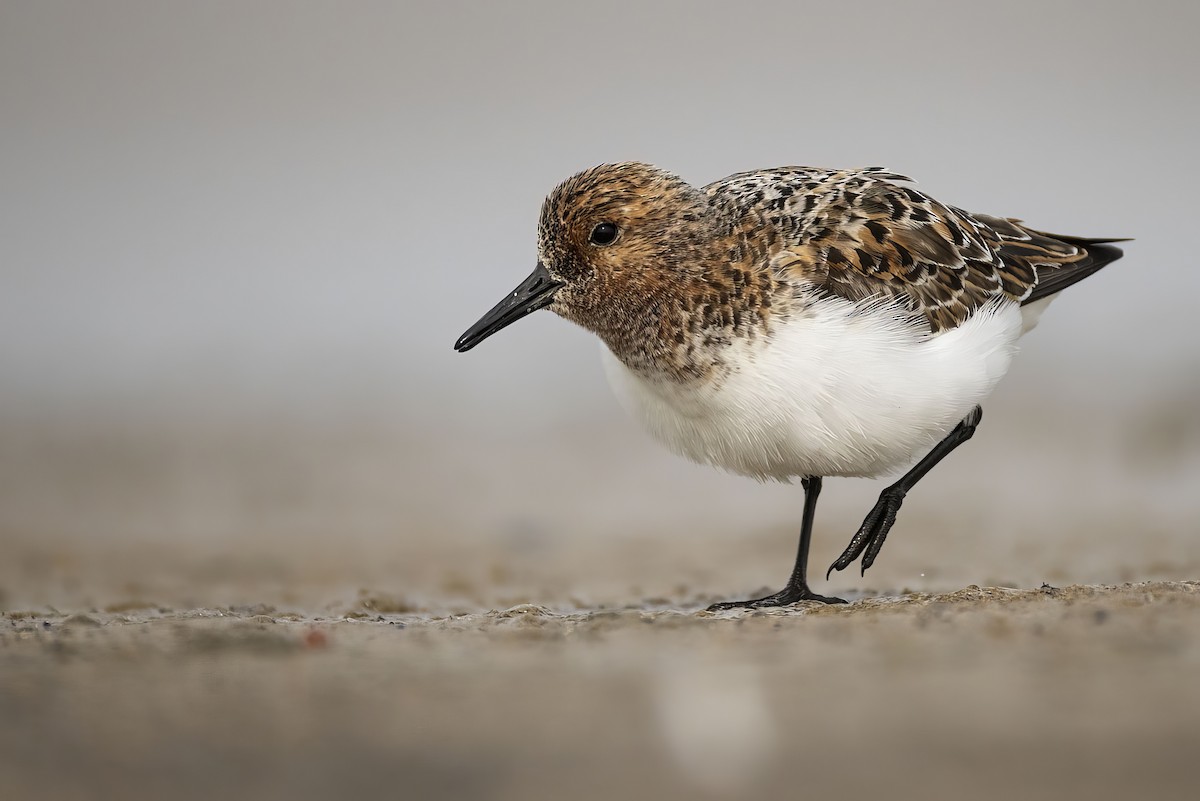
<point x="879" y="520"/>
<point x="797" y="588"/>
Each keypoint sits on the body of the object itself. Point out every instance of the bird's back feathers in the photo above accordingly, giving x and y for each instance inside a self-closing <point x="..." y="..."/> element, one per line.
<point x="857" y="234"/>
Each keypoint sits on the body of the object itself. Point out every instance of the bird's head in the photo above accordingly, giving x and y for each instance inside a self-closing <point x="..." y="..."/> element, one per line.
<point x="609" y="239"/>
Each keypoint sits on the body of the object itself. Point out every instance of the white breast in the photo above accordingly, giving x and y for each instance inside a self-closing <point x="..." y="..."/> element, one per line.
<point x="845" y="390"/>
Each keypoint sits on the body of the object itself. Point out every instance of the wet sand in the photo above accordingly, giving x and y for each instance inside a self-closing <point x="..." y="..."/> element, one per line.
<point x="1077" y="692"/>
<point x="341" y="613"/>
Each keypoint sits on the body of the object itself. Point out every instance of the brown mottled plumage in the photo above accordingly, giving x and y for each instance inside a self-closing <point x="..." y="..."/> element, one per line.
<point x="721" y="253"/>
<point x="795" y="322"/>
<point x="856" y="234"/>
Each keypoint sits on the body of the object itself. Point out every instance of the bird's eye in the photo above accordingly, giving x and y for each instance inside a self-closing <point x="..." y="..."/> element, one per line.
<point x="604" y="234"/>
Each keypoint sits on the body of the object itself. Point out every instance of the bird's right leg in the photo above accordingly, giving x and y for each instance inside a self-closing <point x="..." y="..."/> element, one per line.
<point x="875" y="528"/>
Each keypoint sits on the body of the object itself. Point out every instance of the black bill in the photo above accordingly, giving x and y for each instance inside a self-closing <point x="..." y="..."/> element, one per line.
<point x="534" y="293"/>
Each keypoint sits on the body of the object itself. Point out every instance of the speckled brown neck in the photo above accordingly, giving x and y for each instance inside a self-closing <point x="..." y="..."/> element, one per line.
<point x="679" y="328"/>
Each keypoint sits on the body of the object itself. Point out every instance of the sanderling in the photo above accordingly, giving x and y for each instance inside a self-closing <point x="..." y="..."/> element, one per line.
<point x="795" y="322"/>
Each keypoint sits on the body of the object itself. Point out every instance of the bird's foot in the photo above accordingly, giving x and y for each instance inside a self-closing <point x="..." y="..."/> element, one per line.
<point x="870" y="536"/>
<point x="785" y="597"/>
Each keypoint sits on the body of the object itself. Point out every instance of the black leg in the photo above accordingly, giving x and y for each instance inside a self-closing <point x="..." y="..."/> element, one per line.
<point x="797" y="586"/>
<point x="874" y="530"/>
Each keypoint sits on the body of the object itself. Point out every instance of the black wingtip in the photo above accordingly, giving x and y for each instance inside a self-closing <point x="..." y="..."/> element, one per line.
<point x="1085" y="241"/>
<point x="1100" y="253"/>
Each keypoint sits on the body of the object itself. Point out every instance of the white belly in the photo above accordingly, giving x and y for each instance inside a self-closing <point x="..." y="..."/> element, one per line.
<point x="833" y="393"/>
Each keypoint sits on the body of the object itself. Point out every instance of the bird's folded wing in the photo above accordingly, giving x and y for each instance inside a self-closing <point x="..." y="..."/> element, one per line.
<point x="879" y="239"/>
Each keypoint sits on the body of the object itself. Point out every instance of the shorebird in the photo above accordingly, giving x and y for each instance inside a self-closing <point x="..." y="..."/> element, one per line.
<point x="795" y="322"/>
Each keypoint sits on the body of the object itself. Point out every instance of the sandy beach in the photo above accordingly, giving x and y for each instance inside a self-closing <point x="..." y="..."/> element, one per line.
<point x="1079" y="691"/>
<point x="248" y="612"/>
<point x="264" y="535"/>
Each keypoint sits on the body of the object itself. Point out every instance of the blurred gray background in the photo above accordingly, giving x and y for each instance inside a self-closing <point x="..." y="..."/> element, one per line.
<point x="237" y="241"/>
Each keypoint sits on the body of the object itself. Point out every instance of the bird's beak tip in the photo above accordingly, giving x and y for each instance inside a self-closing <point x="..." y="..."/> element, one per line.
<point x="535" y="292"/>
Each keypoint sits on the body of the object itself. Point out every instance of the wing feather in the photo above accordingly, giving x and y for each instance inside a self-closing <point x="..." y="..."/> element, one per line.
<point x="858" y="234"/>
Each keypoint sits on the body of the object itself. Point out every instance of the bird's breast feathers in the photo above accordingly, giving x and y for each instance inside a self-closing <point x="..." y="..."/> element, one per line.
<point x="844" y="389"/>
